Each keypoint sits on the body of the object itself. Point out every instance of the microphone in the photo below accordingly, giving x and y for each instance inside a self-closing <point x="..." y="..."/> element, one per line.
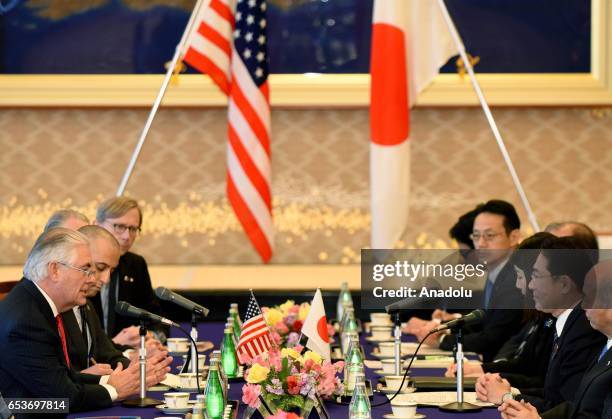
<point x="474" y="317"/>
<point x="165" y="294"/>
<point x="410" y="304"/>
<point x="128" y="310"/>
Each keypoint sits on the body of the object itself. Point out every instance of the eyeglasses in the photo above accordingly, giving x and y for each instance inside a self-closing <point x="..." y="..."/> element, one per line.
<point x="87" y="273"/>
<point x="121" y="228"/>
<point x="488" y="236"/>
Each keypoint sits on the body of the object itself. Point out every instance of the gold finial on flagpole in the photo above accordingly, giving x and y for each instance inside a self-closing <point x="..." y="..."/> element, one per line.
<point x="178" y="68"/>
<point x="461" y="65"/>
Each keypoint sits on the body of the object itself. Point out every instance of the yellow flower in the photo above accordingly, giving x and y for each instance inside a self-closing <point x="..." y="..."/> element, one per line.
<point x="257" y="374"/>
<point x="316" y="358"/>
<point x="291" y="353"/>
<point x="304" y="309"/>
<point x="273" y="316"/>
<point x="284" y="308"/>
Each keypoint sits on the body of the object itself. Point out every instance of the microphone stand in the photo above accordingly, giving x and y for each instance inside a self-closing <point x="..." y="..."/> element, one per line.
<point x="191" y="361"/>
<point x="397" y="334"/>
<point x="460" y="405"/>
<point x="194" y="337"/>
<point x="143" y="400"/>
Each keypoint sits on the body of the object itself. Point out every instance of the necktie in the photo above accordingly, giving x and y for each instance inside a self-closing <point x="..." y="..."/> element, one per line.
<point x="603" y="353"/>
<point x="84" y="327"/>
<point x="487" y="293"/>
<point x="62" y="334"/>
<point x="112" y="302"/>
<point x="555" y="347"/>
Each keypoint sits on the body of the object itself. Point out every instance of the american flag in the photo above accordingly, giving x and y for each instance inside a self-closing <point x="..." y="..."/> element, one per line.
<point x="255" y="334"/>
<point x="231" y="46"/>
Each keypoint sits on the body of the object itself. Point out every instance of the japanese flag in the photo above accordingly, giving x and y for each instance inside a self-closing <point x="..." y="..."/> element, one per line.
<point x="315" y="327"/>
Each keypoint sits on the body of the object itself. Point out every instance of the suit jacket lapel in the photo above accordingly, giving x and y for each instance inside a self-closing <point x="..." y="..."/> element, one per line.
<point x="92" y="336"/>
<point x="76" y="345"/>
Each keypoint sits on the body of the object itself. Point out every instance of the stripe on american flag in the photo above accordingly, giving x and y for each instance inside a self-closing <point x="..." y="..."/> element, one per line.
<point x="232" y="49"/>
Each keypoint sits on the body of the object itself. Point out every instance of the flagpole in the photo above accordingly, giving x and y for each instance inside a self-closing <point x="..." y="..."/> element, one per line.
<point x="160" y="95"/>
<point x="487" y="111"/>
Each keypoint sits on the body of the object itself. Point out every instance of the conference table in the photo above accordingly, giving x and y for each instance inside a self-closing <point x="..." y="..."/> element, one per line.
<point x="214" y="332"/>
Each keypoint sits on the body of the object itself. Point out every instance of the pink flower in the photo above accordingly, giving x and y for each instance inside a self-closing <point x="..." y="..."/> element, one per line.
<point x="275" y="360"/>
<point x="276" y="338"/>
<point x="281" y="328"/>
<point x="283" y="415"/>
<point x="250" y="395"/>
<point x="308" y="365"/>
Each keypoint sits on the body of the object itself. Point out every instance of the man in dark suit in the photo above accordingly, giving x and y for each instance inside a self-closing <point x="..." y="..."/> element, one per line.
<point x="591" y="400"/>
<point x="496" y="231"/>
<point x="90" y="349"/>
<point x="33" y="343"/>
<point x="130" y="282"/>
<point x="557" y="281"/>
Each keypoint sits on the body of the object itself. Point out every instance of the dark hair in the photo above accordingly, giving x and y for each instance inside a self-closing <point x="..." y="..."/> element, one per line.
<point x="524" y="258"/>
<point x="463" y="228"/>
<point x="579" y="230"/>
<point x="525" y="255"/>
<point x="568" y="256"/>
<point x="503" y="208"/>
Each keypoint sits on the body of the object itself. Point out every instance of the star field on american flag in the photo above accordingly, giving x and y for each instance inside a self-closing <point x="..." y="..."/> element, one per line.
<point x="250" y="38"/>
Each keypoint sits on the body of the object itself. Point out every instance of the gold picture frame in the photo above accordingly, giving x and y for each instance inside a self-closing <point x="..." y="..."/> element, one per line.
<point x="328" y="90"/>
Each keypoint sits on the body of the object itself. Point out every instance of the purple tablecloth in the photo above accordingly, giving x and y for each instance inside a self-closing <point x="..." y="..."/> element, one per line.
<point x="214" y="333"/>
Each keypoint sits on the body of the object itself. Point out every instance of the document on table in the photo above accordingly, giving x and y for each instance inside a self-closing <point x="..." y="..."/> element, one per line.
<point x="439" y="398"/>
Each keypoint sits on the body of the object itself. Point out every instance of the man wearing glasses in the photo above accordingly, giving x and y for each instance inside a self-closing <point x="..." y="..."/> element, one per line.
<point x="557" y="282"/>
<point x="496" y="232"/>
<point x="593" y="395"/>
<point x="130" y="282"/>
<point x="35" y="361"/>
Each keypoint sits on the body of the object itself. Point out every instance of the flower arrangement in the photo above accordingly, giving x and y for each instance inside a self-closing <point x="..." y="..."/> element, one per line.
<point x="286" y="320"/>
<point x="288" y="380"/>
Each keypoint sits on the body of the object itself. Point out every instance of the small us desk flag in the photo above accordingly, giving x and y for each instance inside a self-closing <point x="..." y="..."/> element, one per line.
<point x="255" y="334"/>
<point x="231" y="47"/>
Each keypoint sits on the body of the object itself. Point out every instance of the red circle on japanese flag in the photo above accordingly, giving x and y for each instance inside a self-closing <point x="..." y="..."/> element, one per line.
<point x="322" y="329"/>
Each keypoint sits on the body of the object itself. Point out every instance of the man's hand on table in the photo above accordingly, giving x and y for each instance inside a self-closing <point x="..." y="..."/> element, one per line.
<point x="513" y="409"/>
<point x="491" y="388"/>
<point x="98" y="369"/>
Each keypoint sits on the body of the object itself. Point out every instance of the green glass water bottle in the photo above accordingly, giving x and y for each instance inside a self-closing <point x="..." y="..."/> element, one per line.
<point x="229" y="360"/>
<point x="237" y="321"/>
<point x="215" y="403"/>
<point x="344" y="300"/>
<point x="215" y="359"/>
<point x="360" y="404"/>
<point x="353" y="362"/>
